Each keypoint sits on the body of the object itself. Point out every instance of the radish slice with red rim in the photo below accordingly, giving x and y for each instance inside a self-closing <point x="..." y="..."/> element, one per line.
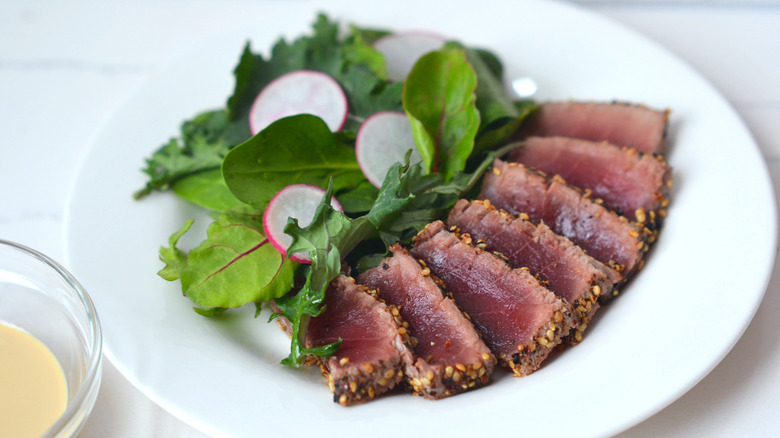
<point x="299" y="201"/>
<point x="382" y="140"/>
<point x="299" y="92"/>
<point x="402" y="50"/>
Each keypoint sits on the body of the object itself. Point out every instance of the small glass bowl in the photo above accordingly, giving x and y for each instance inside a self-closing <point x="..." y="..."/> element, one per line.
<point x="39" y="296"/>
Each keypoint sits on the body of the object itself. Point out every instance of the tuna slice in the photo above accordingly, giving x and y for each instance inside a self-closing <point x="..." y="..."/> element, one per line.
<point x="520" y="320"/>
<point x="450" y="356"/>
<point x="623" y="124"/>
<point x="371" y="357"/>
<point x="568" y="271"/>
<point x="630" y="183"/>
<point x="605" y="236"/>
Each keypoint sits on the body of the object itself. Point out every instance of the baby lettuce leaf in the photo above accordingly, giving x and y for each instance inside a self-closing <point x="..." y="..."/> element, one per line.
<point x="439" y="98"/>
<point x="296" y="149"/>
<point x="206" y="189"/>
<point x="234" y="266"/>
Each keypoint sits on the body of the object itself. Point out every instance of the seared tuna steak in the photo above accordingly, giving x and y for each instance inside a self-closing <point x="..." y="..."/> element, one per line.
<point x="623" y="124"/>
<point x="604" y="235"/>
<point x="520" y="320"/>
<point x="629" y="182"/>
<point x="450" y="356"/>
<point x="566" y="269"/>
<point x="371" y="357"/>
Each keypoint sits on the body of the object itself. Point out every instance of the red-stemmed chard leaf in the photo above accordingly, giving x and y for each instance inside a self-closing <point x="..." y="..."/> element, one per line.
<point x="234" y="266"/>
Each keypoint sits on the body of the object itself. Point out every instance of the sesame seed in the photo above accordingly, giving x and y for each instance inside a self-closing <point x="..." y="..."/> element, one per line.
<point x="344" y="361"/>
<point x="343" y="400"/>
<point x="448" y="371"/>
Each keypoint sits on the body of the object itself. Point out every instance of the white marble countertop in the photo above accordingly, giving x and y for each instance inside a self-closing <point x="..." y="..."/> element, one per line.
<point x="65" y="66"/>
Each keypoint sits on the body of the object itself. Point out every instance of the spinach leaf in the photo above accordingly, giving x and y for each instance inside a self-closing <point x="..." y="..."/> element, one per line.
<point x="500" y="115"/>
<point x="234" y="266"/>
<point x="439" y="98"/>
<point x="206" y="138"/>
<point x="296" y="149"/>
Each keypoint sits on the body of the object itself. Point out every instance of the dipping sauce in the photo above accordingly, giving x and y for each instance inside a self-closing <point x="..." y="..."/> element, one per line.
<point x="33" y="391"/>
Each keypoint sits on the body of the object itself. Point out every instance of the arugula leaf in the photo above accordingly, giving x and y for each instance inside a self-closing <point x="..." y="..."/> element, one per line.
<point x="207" y="138"/>
<point x="439" y="98"/>
<point x="234" y="266"/>
<point x="296" y="149"/>
<point x="201" y="148"/>
<point x="351" y="61"/>
<point x="329" y="236"/>
<point x="319" y="240"/>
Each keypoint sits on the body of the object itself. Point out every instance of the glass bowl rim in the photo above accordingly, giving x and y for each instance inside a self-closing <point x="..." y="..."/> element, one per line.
<point x="84" y="397"/>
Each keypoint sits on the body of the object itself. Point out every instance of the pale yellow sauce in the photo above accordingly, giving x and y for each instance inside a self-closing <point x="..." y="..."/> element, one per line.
<point x="33" y="392"/>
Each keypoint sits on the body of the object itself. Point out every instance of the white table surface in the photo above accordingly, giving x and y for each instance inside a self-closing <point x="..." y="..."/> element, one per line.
<point x="65" y="66"/>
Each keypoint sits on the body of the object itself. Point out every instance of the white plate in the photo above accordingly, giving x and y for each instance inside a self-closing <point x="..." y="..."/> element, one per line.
<point x="674" y="323"/>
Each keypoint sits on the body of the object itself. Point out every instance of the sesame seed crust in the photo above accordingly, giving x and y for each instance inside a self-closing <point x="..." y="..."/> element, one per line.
<point x="451" y="358"/>
<point x="520" y="339"/>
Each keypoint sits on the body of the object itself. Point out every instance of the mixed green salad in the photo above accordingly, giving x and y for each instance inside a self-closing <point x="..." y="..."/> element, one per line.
<point x="460" y="115"/>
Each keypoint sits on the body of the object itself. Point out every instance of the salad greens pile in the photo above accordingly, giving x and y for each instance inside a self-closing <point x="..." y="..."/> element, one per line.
<point x="460" y="117"/>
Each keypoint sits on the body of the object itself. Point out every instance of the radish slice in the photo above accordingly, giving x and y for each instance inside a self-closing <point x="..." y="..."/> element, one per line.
<point x="299" y="201"/>
<point x="381" y="141"/>
<point x="299" y="92"/>
<point x="402" y="50"/>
